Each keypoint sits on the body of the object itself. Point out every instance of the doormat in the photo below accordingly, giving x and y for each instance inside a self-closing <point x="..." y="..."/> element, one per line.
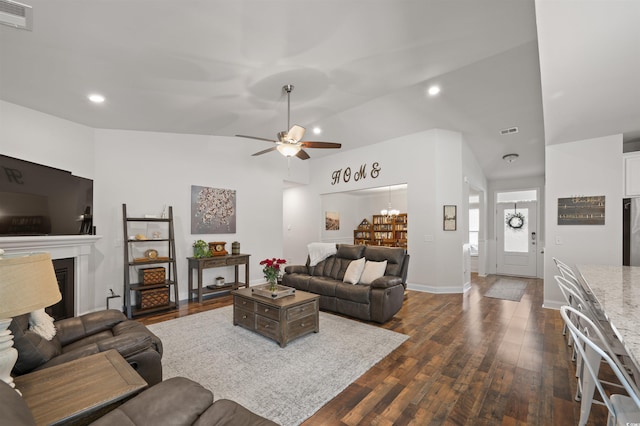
<point x="507" y="289"/>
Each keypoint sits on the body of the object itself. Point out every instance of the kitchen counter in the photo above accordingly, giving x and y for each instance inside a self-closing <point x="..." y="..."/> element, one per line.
<point x="616" y="290"/>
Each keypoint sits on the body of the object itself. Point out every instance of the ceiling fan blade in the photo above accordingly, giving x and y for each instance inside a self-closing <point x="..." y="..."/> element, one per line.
<point x="255" y="137"/>
<point x="308" y="144"/>
<point x="273" y="148"/>
<point x="296" y="133"/>
<point x="302" y="155"/>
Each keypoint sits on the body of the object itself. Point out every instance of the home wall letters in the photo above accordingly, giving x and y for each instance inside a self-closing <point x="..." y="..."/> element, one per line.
<point x="345" y="175"/>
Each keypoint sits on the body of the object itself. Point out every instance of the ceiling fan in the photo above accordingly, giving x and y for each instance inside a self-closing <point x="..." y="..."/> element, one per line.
<point x="290" y="143"/>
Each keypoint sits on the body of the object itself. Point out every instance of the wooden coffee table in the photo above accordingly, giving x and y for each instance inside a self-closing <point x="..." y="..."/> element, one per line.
<point x="79" y="391"/>
<point x="281" y="319"/>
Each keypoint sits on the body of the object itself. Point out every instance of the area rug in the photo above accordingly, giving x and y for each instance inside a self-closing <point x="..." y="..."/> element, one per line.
<point x="507" y="289"/>
<point x="286" y="385"/>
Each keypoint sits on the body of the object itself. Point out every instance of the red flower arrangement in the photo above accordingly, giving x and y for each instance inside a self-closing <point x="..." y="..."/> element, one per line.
<point x="271" y="268"/>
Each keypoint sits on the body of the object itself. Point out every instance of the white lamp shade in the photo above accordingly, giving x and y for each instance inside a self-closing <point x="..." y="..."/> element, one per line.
<point x="288" y="149"/>
<point x="27" y="283"/>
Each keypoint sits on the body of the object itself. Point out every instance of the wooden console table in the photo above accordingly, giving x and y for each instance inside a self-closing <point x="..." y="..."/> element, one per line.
<point x="200" y="264"/>
<point x="79" y="391"/>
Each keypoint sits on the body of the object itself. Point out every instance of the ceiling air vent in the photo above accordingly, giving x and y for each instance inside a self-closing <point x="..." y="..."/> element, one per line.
<point x="509" y="131"/>
<point x="15" y="14"/>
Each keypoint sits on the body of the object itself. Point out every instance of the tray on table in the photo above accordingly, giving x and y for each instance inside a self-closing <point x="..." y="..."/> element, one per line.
<point x="280" y="291"/>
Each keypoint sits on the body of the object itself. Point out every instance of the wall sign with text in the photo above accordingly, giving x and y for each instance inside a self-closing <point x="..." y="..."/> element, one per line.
<point x="345" y="175"/>
<point x="581" y="210"/>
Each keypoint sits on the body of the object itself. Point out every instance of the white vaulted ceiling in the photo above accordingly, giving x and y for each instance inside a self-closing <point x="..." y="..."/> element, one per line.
<point x="360" y="69"/>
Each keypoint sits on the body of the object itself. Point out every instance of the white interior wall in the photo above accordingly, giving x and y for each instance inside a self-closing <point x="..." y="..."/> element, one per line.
<point x="44" y="139"/>
<point x="297" y="228"/>
<point x="436" y="255"/>
<point x="147" y="170"/>
<point x="582" y="168"/>
<point x="343" y="204"/>
<point x="474" y="178"/>
<point x="451" y="269"/>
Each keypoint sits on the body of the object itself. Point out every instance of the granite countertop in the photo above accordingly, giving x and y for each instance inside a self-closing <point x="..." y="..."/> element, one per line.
<point x="617" y="290"/>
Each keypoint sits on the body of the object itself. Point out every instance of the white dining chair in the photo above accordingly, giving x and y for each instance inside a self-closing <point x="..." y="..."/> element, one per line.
<point x="575" y="300"/>
<point x="624" y="410"/>
<point x="567" y="273"/>
<point x="565" y="270"/>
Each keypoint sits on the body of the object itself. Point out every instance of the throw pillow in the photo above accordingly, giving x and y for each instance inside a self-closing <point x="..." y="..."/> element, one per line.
<point x="373" y="271"/>
<point x="33" y="349"/>
<point x="354" y="271"/>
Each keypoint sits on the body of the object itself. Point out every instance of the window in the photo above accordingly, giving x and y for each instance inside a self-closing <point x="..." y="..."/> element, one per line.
<point x="474" y="230"/>
<point x="517" y="196"/>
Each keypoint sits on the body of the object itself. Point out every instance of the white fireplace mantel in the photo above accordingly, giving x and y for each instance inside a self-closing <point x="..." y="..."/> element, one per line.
<point x="79" y="247"/>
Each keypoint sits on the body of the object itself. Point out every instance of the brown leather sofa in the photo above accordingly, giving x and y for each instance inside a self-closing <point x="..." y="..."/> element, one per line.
<point x="85" y="335"/>
<point x="378" y="301"/>
<point x="176" y="402"/>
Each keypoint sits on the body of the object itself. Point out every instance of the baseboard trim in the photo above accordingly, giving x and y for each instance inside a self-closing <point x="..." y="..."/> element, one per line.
<point x="436" y="290"/>
<point x="553" y="304"/>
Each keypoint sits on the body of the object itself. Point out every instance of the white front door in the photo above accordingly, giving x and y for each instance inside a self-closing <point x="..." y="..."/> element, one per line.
<point x="517" y="239"/>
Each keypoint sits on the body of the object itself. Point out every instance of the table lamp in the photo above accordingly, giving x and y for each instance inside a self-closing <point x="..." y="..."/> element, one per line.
<point x="27" y="283"/>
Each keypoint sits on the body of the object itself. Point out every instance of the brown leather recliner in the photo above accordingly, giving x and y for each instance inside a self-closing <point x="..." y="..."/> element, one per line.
<point x="177" y="402"/>
<point x="85" y="335"/>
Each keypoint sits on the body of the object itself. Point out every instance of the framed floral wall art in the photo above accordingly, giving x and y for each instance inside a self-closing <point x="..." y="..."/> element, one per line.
<point x="213" y="210"/>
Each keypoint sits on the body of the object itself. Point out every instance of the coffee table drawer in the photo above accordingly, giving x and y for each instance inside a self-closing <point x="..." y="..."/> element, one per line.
<point x="267" y="311"/>
<point x="244" y="318"/>
<point x="268" y="327"/>
<point x="243" y="303"/>
<point x="302" y="326"/>
<point x="301" y="311"/>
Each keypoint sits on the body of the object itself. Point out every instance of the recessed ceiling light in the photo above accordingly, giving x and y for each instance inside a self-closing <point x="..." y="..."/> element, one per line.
<point x="433" y="90"/>
<point x="96" y="98"/>
<point x="317" y="130"/>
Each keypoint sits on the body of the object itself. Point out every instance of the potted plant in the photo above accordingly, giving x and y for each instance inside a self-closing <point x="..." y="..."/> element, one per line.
<point x="201" y="249"/>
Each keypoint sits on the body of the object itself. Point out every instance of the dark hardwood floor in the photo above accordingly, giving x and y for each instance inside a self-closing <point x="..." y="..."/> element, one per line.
<point x="470" y="360"/>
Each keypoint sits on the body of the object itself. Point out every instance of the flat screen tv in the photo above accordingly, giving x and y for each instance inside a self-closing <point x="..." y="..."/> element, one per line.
<point x="41" y="200"/>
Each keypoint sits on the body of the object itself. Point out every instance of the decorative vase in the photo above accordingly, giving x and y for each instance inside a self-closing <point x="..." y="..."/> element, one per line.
<point x="273" y="284"/>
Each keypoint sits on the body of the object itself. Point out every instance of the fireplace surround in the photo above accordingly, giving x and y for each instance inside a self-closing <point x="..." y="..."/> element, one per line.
<point x="78" y="247"/>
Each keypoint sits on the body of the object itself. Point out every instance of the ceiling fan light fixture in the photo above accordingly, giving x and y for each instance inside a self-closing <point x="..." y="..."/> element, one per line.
<point x="289" y="143"/>
<point x="288" y="149"/>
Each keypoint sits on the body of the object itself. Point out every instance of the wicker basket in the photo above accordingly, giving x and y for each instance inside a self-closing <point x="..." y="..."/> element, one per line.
<point x="152" y="275"/>
<point x="153" y="297"/>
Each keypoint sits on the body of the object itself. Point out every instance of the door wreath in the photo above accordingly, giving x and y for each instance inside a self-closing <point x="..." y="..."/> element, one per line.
<point x="515" y="220"/>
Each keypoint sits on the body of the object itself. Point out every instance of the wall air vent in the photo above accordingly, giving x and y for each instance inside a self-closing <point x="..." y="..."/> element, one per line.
<point x="16" y="14"/>
<point x="509" y="131"/>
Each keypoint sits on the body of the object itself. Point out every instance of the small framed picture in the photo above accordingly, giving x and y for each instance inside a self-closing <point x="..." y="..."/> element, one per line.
<point x="449" y="218"/>
<point x="332" y="221"/>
